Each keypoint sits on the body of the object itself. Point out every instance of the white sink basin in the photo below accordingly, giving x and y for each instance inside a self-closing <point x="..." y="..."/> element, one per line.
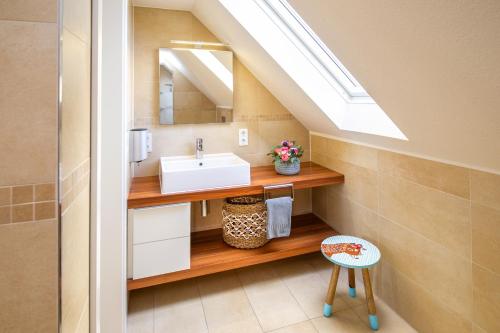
<point x="180" y="174"/>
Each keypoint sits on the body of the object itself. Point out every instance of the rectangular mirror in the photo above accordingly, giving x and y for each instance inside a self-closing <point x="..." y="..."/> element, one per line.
<point x="196" y="86"/>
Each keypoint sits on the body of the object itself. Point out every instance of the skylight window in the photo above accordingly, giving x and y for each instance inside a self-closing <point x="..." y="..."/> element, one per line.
<point x="311" y="45"/>
<point x="284" y="35"/>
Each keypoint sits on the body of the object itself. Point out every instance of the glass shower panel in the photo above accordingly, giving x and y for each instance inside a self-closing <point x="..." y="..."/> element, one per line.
<point x="74" y="161"/>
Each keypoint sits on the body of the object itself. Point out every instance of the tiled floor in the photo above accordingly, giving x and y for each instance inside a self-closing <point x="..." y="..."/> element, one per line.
<point x="283" y="297"/>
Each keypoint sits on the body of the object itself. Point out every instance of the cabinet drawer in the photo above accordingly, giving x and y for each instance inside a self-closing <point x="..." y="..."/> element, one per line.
<point x="161" y="257"/>
<point x="160" y="222"/>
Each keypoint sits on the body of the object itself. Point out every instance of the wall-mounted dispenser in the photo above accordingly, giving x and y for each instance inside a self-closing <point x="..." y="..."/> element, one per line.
<point x="140" y="144"/>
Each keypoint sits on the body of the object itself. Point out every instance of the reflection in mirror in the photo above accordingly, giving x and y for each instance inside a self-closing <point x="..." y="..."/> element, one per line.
<point x="196" y="86"/>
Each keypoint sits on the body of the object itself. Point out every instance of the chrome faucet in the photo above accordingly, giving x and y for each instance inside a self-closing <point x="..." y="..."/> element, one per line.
<point x="199" y="148"/>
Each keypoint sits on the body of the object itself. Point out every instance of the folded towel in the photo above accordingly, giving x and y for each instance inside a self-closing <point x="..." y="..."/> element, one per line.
<point x="279" y="217"/>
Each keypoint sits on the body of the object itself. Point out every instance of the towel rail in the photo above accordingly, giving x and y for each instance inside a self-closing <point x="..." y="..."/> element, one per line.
<point x="279" y="186"/>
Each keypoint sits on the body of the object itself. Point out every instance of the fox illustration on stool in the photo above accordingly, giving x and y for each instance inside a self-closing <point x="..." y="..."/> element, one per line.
<point x="352" y="249"/>
<point x="351" y="252"/>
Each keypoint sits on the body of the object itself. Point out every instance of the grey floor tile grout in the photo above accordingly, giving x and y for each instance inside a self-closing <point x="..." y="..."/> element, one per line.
<point x="289" y="290"/>
<point x="300" y="322"/>
<point x="155" y="290"/>
<point x="248" y="299"/>
<point x="202" y="305"/>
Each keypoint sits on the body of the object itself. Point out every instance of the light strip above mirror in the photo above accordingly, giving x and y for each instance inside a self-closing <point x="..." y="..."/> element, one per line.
<point x="197" y="43"/>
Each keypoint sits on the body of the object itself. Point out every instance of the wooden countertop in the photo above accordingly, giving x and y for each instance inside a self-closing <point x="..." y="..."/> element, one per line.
<point x="145" y="191"/>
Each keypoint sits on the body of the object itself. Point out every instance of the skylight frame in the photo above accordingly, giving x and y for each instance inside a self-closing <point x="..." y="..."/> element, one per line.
<point x="315" y="51"/>
<point x="349" y="113"/>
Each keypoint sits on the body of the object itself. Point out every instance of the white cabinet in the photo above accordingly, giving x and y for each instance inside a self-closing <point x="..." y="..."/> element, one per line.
<point x="171" y="255"/>
<point x="160" y="222"/>
<point x="159" y="240"/>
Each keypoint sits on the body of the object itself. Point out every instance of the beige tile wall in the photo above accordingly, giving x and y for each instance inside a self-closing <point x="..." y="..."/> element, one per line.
<point x="75" y="165"/>
<point x="255" y="107"/>
<point x="28" y="108"/>
<point x="437" y="226"/>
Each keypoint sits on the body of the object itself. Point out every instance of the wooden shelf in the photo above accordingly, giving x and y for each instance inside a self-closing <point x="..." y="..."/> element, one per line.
<point x="209" y="253"/>
<point x="145" y="191"/>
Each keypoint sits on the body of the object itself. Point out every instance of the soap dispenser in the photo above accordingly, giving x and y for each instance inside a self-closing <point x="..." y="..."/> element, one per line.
<point x="140" y="144"/>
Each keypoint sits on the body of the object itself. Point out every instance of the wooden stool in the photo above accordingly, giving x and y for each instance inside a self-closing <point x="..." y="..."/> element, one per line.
<point x="351" y="252"/>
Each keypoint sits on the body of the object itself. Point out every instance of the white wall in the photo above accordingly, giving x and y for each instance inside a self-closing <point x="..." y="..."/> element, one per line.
<point x="109" y="165"/>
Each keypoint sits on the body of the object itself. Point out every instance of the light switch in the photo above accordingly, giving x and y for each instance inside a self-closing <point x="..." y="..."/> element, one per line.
<point x="243" y="137"/>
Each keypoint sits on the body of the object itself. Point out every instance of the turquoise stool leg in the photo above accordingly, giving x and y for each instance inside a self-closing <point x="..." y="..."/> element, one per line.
<point x="373" y="322"/>
<point x="352" y="282"/>
<point x="372" y="312"/>
<point x="327" y="308"/>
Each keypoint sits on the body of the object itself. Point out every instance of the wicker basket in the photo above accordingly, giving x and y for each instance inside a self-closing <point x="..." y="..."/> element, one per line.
<point x="244" y="222"/>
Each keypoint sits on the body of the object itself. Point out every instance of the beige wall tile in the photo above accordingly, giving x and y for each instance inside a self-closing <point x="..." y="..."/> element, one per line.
<point x="245" y="91"/>
<point x="319" y="158"/>
<point x="259" y="159"/>
<point x="28" y="53"/>
<point x="419" y="306"/>
<point x="430" y="265"/>
<point x="28" y="253"/>
<point x="45" y="192"/>
<point x="22" y="213"/>
<point x="22" y="194"/>
<point x="486" y="299"/>
<point x="5" y="214"/>
<point x="302" y="203"/>
<point x="319" y="144"/>
<point x="273" y="132"/>
<point x="362" y="156"/>
<point x="485" y="189"/>
<point x="212" y="221"/>
<point x="439" y="216"/>
<point x="5" y="196"/>
<point x="351" y="218"/>
<point x="29" y="10"/>
<point x="320" y="153"/>
<point x="320" y="201"/>
<point x="477" y="329"/>
<point x="485" y="237"/>
<point x="45" y="210"/>
<point x="444" y="177"/>
<point x="360" y="184"/>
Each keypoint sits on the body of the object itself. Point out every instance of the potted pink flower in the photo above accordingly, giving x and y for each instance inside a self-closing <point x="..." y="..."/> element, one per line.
<point x="286" y="158"/>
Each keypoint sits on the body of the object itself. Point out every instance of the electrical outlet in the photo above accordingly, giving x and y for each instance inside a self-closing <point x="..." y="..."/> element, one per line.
<point x="243" y="137"/>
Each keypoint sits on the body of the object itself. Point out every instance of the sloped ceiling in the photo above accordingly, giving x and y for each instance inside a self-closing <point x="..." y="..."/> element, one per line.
<point x="165" y="4"/>
<point x="433" y="67"/>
